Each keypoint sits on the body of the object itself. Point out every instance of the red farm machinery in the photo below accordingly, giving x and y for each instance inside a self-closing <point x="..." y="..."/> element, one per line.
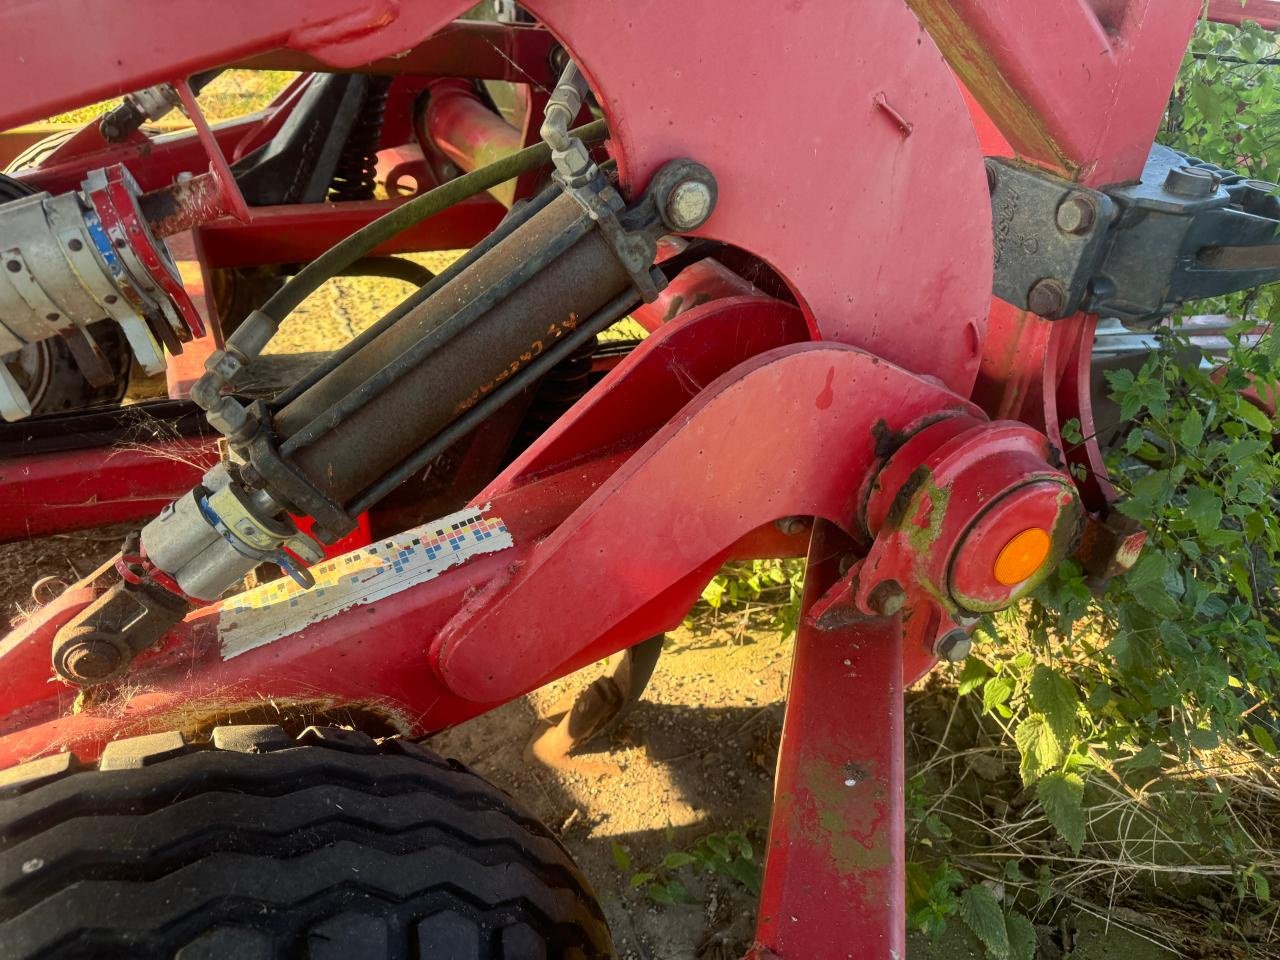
<point x="870" y="241"/>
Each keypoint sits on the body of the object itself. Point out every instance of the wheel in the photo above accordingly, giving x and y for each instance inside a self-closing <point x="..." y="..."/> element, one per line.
<point x="257" y="846"/>
<point x="48" y="375"/>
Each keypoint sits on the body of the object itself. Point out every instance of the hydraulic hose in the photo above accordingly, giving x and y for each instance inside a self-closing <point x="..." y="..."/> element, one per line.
<point x="343" y="254"/>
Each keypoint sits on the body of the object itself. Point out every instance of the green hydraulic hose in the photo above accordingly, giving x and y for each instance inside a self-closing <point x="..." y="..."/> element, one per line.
<point x="343" y="254"/>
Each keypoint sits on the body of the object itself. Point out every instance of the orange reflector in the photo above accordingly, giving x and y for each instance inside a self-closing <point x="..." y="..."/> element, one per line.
<point x="1022" y="556"/>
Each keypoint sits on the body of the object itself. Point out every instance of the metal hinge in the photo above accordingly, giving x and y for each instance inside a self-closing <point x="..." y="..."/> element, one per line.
<point x="1186" y="231"/>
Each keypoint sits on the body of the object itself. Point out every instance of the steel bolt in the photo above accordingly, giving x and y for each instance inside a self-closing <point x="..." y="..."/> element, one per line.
<point x="1076" y="215"/>
<point x="886" y="598"/>
<point x="1191" y="181"/>
<point x="689" y="204"/>
<point x="954" y="645"/>
<point x="92" y="660"/>
<point x="1047" y="298"/>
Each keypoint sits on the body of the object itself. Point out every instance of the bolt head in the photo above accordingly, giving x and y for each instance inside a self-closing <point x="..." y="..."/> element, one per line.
<point x="1189" y="181"/>
<point x="92" y="660"/>
<point x="1047" y="298"/>
<point x="953" y="646"/>
<point x="887" y="598"/>
<point x="1076" y="215"/>
<point x="689" y="205"/>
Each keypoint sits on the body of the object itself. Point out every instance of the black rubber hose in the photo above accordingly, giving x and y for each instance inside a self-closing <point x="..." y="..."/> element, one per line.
<point x="341" y="255"/>
<point x="391" y="268"/>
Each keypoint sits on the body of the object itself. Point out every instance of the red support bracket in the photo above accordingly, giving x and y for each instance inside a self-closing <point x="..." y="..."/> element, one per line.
<point x="834" y="879"/>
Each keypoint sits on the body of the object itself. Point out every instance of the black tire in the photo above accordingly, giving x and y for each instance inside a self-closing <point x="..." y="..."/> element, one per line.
<point x="333" y="845"/>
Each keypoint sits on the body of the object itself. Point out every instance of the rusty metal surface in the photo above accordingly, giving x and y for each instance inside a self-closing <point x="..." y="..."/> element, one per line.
<point x="1080" y="86"/>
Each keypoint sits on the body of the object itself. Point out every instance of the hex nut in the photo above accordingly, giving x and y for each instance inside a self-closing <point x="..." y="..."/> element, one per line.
<point x="953" y="646"/>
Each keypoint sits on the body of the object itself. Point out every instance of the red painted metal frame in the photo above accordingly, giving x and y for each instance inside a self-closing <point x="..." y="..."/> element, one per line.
<point x="723" y="419"/>
<point x="51" y="492"/>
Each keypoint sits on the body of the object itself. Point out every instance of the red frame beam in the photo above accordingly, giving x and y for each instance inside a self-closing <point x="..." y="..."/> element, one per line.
<point x="73" y="489"/>
<point x="465" y="48"/>
<point x="296" y="233"/>
<point x="1078" y="86"/>
<point x="835" y="868"/>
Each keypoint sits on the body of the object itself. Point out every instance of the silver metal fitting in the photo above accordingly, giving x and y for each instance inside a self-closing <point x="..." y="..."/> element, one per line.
<point x="689" y="205"/>
<point x="154" y="102"/>
<point x="954" y="645"/>
<point x="65" y="265"/>
<point x="211" y="538"/>
<point x="569" y="155"/>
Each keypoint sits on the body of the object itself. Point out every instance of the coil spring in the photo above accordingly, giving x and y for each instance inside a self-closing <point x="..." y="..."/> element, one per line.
<point x="356" y="174"/>
<point x="563" y="386"/>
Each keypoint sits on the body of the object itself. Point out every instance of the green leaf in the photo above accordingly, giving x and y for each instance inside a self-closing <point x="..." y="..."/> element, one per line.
<point x="1053" y="695"/>
<point x="1022" y="937"/>
<point x="658" y="893"/>
<point x="678" y="894"/>
<point x="640" y="879"/>
<point x="1204" y="738"/>
<point x="1191" y="431"/>
<point x="1099" y="697"/>
<point x="980" y="909"/>
<point x="996" y="692"/>
<point x="1251" y="415"/>
<point x="1040" y="749"/>
<point x="1261" y="887"/>
<point x="621" y="857"/>
<point x="714" y="592"/>
<point x="1204" y="508"/>
<point x="1149" y="756"/>
<point x="1262" y="738"/>
<point x="674" y="861"/>
<point x="975" y="671"/>
<point x="1062" y="797"/>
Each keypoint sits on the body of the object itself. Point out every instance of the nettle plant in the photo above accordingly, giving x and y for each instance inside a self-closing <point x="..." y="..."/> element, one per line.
<point x="1181" y="657"/>
<point x="1182" y="652"/>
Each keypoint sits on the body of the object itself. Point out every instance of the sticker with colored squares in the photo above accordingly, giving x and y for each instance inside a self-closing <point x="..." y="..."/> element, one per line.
<point x="277" y="609"/>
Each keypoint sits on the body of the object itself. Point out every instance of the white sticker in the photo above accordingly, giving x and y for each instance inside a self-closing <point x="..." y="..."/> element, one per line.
<point x="277" y="609"/>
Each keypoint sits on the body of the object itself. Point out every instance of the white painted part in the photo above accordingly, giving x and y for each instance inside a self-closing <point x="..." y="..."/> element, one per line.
<point x="268" y="613"/>
<point x="14" y="404"/>
<point x="141" y="341"/>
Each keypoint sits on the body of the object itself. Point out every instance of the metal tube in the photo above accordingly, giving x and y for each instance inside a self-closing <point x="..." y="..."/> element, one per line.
<point x="466" y="131"/>
<point x="401" y="363"/>
<point x="372" y="434"/>
<point x="614" y="311"/>
<point x="518" y="216"/>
